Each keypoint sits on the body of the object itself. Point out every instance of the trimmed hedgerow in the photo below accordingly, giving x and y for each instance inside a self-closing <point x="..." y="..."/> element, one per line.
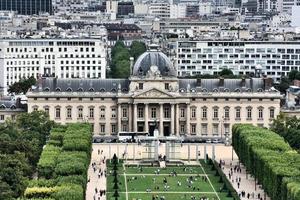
<point x="63" y="165"/>
<point x="270" y="159"/>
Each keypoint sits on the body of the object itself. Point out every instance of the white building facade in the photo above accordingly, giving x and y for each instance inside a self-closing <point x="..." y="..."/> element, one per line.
<point x="63" y="58"/>
<point x="242" y="57"/>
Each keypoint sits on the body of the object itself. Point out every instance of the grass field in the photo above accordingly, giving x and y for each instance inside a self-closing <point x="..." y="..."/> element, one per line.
<point x="171" y="183"/>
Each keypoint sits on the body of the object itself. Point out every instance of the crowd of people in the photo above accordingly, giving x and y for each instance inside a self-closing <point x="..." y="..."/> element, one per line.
<point x="99" y="168"/>
<point x="235" y="177"/>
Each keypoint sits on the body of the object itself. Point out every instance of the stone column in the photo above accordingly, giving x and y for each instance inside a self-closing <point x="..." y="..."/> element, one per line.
<point x="177" y="119"/>
<point x="130" y="117"/>
<point x="161" y="117"/>
<point x="188" y="118"/>
<point x="146" y="117"/>
<point x="172" y="119"/>
<point x="119" y="118"/>
<point x="134" y="117"/>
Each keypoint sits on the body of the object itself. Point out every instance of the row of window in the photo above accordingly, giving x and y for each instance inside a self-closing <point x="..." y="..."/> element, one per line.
<point x="60" y="49"/>
<point x="166" y="112"/>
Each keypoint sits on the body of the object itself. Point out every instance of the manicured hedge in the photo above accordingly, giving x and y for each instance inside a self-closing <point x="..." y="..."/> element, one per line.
<point x="270" y="159"/>
<point x="48" y="161"/>
<point x="63" y="165"/>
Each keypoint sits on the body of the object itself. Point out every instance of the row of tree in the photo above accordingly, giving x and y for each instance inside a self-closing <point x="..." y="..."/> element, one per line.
<point x="289" y="129"/>
<point x="62" y="168"/>
<point x="120" y="58"/>
<point x="270" y="159"/>
<point x="21" y="144"/>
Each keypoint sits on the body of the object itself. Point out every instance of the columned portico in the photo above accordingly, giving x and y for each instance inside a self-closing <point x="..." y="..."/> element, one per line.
<point x="135" y="117"/>
<point x="161" y="119"/>
<point x="146" y="117"/>
<point x="172" y="118"/>
<point x="177" y="119"/>
<point x="188" y="117"/>
<point x="119" y="118"/>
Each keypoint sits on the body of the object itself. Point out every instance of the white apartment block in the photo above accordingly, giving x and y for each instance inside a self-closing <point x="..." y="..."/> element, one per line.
<point x="160" y="10"/>
<point x="285" y="6"/>
<point x="177" y="11"/>
<point x="63" y="58"/>
<point x="275" y="59"/>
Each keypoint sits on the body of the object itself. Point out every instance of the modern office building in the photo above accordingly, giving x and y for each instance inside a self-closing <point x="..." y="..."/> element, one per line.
<point x="27" y="7"/>
<point x="275" y="59"/>
<point x="153" y="96"/>
<point x="63" y="58"/>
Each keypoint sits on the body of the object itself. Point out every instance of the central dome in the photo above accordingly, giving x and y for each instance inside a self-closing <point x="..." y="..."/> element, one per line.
<point x="153" y="58"/>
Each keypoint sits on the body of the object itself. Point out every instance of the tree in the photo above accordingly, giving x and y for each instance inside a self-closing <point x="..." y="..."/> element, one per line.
<point x="283" y="85"/>
<point x="120" y="55"/>
<point x="226" y="72"/>
<point x="137" y="48"/>
<point x="22" y="86"/>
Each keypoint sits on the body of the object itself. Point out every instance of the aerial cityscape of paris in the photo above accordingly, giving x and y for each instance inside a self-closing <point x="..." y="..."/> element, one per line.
<point x="149" y="100"/>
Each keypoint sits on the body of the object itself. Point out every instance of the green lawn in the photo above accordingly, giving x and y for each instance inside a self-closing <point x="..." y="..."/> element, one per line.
<point x="168" y="170"/>
<point x="140" y="180"/>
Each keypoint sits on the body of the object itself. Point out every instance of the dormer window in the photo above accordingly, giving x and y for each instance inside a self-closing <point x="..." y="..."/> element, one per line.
<point x="167" y="86"/>
<point x="141" y="86"/>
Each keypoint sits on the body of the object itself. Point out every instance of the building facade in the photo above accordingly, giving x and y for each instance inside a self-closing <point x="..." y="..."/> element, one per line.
<point x="63" y="58"/>
<point x="27" y="7"/>
<point x="242" y="57"/>
<point x="9" y="109"/>
<point x="153" y="97"/>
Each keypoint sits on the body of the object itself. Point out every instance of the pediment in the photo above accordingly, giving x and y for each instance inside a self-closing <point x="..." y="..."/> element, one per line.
<point x="153" y="93"/>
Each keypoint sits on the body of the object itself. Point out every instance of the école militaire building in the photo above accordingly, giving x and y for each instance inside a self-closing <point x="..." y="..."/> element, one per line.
<point x="154" y="96"/>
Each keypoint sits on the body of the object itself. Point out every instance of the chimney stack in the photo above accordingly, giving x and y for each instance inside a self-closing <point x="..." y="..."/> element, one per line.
<point x="198" y="82"/>
<point x="268" y="83"/>
<point x="221" y="82"/>
<point x="40" y="82"/>
<point x="243" y="83"/>
<point x="131" y="65"/>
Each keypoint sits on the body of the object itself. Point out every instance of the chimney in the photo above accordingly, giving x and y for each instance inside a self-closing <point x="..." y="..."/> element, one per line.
<point x="40" y="83"/>
<point x="55" y="82"/>
<point x="243" y="82"/>
<point x="198" y="82"/>
<point x="131" y="65"/>
<point x="221" y="82"/>
<point x="268" y="83"/>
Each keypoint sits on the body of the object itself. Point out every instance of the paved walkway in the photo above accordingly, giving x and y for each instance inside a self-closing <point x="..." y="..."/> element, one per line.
<point x="246" y="183"/>
<point x="189" y="152"/>
<point x="96" y="181"/>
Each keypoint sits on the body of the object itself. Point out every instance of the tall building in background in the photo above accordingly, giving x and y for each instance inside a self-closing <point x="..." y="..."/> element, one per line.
<point x="27" y="7"/>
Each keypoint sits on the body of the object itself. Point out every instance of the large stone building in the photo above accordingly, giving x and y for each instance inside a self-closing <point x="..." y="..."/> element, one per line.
<point x="154" y="96"/>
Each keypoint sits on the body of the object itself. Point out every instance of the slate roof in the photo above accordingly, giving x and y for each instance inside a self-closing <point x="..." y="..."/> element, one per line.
<point x="230" y="85"/>
<point x="82" y="85"/>
<point x="5" y="104"/>
<point x="112" y="85"/>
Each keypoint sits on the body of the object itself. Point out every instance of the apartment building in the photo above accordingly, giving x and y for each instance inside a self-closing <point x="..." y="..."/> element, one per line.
<point x="275" y="59"/>
<point x="63" y="58"/>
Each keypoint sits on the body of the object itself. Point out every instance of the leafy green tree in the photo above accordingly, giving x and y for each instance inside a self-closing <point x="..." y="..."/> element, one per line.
<point x="22" y="86"/>
<point x="225" y="72"/>
<point x="293" y="74"/>
<point x="137" y="48"/>
<point x="283" y="85"/>
<point x="122" y="69"/>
